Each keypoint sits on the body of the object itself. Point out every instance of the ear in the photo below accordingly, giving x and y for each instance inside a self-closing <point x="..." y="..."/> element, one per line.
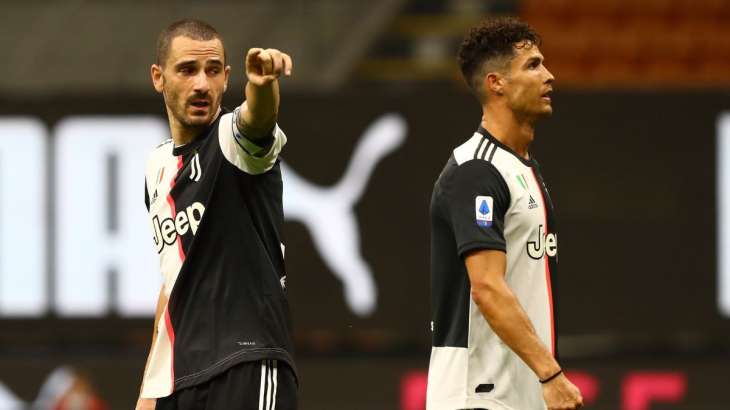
<point x="157" y="79"/>
<point x="494" y="83"/>
<point x="227" y="71"/>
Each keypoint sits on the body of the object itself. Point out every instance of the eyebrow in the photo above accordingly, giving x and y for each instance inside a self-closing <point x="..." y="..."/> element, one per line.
<point x="534" y="59"/>
<point x="184" y="63"/>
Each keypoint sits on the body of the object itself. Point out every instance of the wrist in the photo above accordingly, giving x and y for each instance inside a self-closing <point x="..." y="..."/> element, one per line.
<point x="551" y="377"/>
<point x="546" y="367"/>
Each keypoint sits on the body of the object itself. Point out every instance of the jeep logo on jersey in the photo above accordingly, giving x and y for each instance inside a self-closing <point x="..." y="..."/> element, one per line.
<point x="546" y="243"/>
<point x="167" y="230"/>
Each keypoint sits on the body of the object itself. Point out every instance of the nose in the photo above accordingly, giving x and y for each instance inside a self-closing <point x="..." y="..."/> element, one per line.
<point x="550" y="77"/>
<point x="200" y="83"/>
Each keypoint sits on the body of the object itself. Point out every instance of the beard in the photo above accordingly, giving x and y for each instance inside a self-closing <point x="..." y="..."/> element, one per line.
<point x="531" y="111"/>
<point x="178" y="108"/>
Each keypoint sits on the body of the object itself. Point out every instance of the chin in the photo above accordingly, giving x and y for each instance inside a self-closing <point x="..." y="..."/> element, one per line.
<point x="199" y="121"/>
<point x="546" y="112"/>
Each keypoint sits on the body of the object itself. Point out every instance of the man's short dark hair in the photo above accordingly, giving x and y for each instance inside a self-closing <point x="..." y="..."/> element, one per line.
<point x="191" y="28"/>
<point x="492" y="40"/>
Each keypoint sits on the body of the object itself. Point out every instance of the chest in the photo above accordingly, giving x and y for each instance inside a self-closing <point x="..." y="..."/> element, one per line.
<point x="530" y="204"/>
<point x="179" y="192"/>
<point x="160" y="181"/>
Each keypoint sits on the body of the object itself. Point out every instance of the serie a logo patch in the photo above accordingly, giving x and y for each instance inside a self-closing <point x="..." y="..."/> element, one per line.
<point x="484" y="211"/>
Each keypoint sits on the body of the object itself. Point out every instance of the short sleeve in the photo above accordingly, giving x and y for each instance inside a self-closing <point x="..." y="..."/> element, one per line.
<point x="476" y="201"/>
<point x="246" y="155"/>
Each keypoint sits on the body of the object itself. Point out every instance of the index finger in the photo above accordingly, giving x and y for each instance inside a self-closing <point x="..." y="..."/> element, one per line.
<point x="288" y="64"/>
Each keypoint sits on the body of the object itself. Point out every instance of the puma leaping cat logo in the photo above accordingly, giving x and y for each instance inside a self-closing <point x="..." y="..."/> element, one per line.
<point x="329" y="214"/>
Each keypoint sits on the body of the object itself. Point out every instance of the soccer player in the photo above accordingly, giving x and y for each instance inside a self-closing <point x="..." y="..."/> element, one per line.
<point x="494" y="246"/>
<point x="214" y="195"/>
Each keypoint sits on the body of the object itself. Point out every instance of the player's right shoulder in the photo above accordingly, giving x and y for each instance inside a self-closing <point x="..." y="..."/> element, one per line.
<point x="468" y="169"/>
<point x="161" y="150"/>
<point x="470" y="149"/>
<point x="158" y="155"/>
<point x="472" y="159"/>
<point x="164" y="143"/>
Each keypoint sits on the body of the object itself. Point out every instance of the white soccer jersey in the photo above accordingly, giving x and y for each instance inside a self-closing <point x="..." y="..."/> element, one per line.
<point x="488" y="197"/>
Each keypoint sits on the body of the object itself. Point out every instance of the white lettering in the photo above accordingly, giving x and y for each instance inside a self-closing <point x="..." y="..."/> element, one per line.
<point x="551" y="244"/>
<point x="100" y="227"/>
<point x="23" y="236"/>
<point x="167" y="231"/>
<point x="538" y="249"/>
<point x="169" y="235"/>
<point x="723" y="214"/>
<point x="157" y="237"/>
<point x="98" y="212"/>
<point x="181" y="223"/>
<point x="192" y="218"/>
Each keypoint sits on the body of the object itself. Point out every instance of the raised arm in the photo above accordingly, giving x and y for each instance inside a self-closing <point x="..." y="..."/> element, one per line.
<point x="505" y="315"/>
<point x="259" y="112"/>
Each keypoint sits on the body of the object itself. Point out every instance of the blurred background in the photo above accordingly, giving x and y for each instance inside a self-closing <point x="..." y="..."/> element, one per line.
<point x="636" y="157"/>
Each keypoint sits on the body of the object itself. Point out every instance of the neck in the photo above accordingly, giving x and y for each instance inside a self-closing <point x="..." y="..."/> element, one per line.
<point x="507" y="127"/>
<point x="184" y="134"/>
<point x="181" y="134"/>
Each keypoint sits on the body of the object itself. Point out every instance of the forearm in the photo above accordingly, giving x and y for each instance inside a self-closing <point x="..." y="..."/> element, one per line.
<point x="505" y="316"/>
<point x="260" y="110"/>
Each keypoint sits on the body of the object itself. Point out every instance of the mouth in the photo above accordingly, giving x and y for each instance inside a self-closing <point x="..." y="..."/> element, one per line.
<point x="200" y="104"/>
<point x="546" y="95"/>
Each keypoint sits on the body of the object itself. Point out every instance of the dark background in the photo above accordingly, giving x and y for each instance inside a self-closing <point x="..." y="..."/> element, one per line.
<point x="629" y="157"/>
<point x="632" y="175"/>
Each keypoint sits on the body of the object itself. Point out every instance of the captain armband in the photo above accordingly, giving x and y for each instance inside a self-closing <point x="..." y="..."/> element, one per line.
<point x="258" y="148"/>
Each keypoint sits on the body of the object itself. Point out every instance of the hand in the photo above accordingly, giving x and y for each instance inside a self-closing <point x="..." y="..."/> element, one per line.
<point x="561" y="394"/>
<point x="265" y="66"/>
<point x="146" y="404"/>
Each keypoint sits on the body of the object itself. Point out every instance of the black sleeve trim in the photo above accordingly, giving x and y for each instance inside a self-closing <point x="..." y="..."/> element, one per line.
<point x="482" y="245"/>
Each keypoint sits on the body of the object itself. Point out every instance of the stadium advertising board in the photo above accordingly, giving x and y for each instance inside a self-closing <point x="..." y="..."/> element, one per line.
<point x="357" y="194"/>
<point x="637" y="180"/>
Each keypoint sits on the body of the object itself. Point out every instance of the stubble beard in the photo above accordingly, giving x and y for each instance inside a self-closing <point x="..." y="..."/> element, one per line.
<point x="532" y="113"/>
<point x="178" y="110"/>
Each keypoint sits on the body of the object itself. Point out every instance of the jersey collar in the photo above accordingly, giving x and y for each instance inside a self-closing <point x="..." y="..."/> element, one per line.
<point x="528" y="162"/>
<point x="184" y="149"/>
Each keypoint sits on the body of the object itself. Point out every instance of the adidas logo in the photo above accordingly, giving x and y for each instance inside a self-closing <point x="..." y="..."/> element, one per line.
<point x="532" y="204"/>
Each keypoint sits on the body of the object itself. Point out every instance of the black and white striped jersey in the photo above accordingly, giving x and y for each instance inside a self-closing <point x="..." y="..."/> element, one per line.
<point x="488" y="197"/>
<point x="215" y="207"/>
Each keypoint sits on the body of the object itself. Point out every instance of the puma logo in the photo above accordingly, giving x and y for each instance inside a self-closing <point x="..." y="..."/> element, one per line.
<point x="329" y="212"/>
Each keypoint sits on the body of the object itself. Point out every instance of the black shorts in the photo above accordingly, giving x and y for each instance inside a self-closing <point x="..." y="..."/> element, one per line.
<point x="261" y="385"/>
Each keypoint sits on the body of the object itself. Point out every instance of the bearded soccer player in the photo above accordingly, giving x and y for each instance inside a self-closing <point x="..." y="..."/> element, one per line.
<point x="214" y="195"/>
<point x="494" y="242"/>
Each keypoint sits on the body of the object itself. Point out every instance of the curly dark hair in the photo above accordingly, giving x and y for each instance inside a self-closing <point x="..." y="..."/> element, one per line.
<point x="192" y="28"/>
<point x="492" y="39"/>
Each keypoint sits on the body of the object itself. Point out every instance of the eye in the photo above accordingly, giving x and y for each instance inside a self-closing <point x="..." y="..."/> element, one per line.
<point x="185" y="70"/>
